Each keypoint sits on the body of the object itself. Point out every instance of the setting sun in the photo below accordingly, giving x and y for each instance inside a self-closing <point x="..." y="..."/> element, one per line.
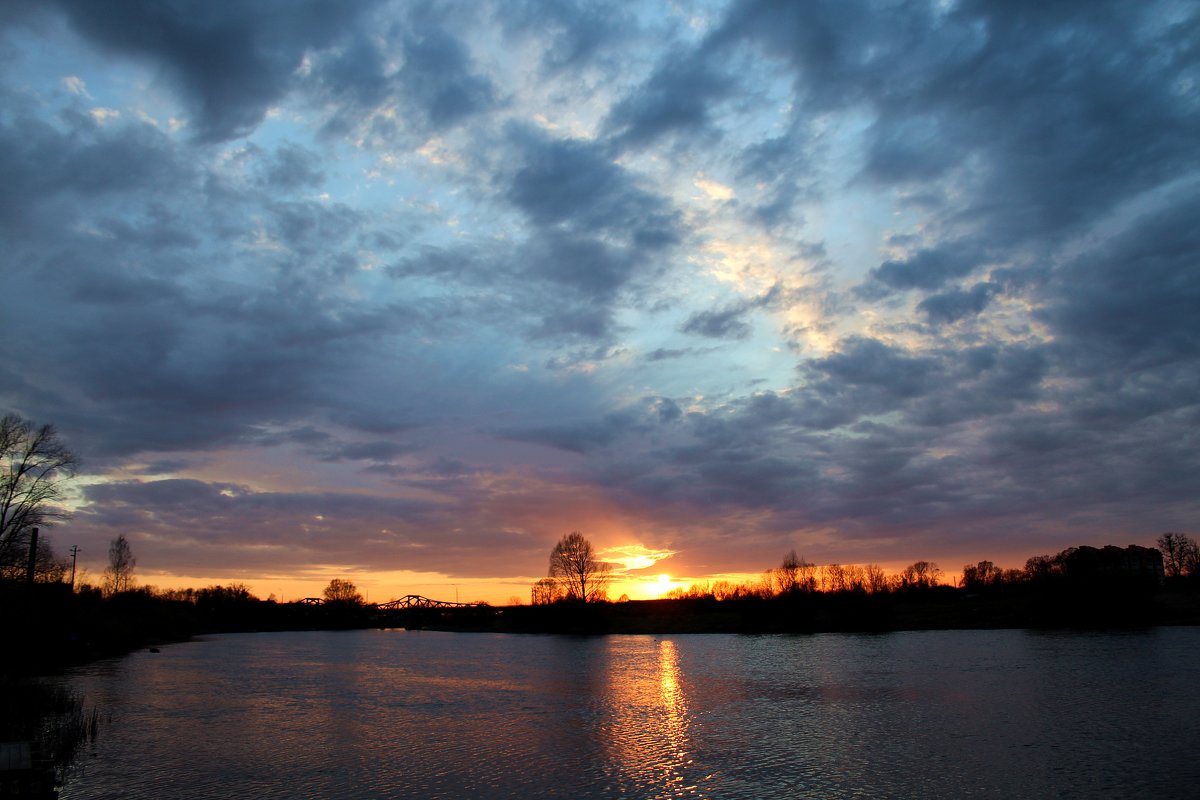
<point x="664" y="579"/>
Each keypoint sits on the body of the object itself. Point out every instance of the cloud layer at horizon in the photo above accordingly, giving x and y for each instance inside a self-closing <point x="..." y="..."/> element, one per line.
<point x="393" y="285"/>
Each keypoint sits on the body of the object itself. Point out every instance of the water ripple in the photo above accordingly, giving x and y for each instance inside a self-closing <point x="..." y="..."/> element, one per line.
<point x="416" y="714"/>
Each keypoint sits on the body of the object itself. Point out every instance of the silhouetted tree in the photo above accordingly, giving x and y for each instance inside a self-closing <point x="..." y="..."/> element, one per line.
<point x="985" y="573"/>
<point x="1180" y="554"/>
<point x="119" y="575"/>
<point x="35" y="464"/>
<point x="544" y="592"/>
<point x="786" y="575"/>
<point x="794" y="574"/>
<point x="579" y="572"/>
<point x="836" y="579"/>
<point x="1042" y="568"/>
<point x="342" y="592"/>
<point x="1012" y="575"/>
<point x="875" y="580"/>
<point x="48" y="566"/>
<point x="920" y="575"/>
<point x="855" y="578"/>
<point x="232" y="594"/>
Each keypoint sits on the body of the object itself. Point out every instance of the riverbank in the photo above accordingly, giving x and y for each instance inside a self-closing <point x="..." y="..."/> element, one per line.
<point x="50" y="628"/>
<point x="937" y="608"/>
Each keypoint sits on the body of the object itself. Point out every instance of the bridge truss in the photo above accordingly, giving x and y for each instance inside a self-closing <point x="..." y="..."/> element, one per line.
<point x="417" y="601"/>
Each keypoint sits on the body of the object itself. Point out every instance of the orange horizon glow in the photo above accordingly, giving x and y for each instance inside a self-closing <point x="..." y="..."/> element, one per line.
<point x="634" y="577"/>
<point x="382" y="587"/>
<point x="385" y="586"/>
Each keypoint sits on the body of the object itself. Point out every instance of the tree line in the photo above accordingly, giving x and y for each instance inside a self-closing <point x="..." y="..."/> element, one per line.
<point x="36" y="465"/>
<point x="577" y="574"/>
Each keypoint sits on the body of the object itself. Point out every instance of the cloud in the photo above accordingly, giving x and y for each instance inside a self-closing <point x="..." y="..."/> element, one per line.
<point x="677" y="97"/>
<point x="274" y="531"/>
<point x="869" y="364"/>
<point x="571" y="36"/>
<point x="437" y="78"/>
<point x="581" y="437"/>
<point x="50" y="171"/>
<point x="595" y="233"/>
<point x="290" y="168"/>
<point x="413" y="76"/>
<point x="729" y="322"/>
<point x="928" y="268"/>
<point x="1131" y="300"/>
<point x="576" y="186"/>
<point x="949" y="307"/>
<point x="978" y="219"/>
<point x="230" y="63"/>
<point x="723" y="324"/>
<point x="380" y="452"/>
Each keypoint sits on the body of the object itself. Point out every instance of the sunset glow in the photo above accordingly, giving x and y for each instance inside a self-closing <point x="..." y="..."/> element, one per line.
<point x="403" y="293"/>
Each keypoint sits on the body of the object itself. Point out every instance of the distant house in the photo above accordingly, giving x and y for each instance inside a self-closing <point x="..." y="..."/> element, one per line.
<point x="1131" y="565"/>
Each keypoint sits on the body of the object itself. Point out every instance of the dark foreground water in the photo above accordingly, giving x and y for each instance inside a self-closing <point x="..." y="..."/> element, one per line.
<point x="365" y="714"/>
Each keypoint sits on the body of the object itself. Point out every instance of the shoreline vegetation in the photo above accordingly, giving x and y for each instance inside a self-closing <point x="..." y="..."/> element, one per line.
<point x="51" y="627"/>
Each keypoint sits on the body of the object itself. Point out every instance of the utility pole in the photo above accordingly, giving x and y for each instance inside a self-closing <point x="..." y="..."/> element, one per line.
<point x="74" y="555"/>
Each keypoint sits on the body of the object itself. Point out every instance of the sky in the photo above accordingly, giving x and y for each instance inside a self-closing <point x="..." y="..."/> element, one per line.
<point x="402" y="292"/>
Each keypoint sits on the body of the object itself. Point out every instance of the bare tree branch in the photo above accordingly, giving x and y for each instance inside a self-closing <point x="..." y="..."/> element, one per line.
<point x="35" y="465"/>
<point x="574" y="564"/>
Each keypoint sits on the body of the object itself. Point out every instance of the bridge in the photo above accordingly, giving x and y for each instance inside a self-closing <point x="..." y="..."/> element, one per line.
<point x="406" y="602"/>
<point x="417" y="601"/>
<point x="415" y="611"/>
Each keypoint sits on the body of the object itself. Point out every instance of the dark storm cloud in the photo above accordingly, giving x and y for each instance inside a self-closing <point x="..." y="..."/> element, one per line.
<point x="1135" y="301"/>
<point x="50" y="169"/>
<point x="1055" y="113"/>
<point x="592" y="267"/>
<point x="595" y="233"/>
<point x="232" y="61"/>
<point x="401" y="248"/>
<point x="125" y="301"/>
<point x="436" y="84"/>
<point x="927" y="268"/>
<point x="871" y="365"/>
<point x="951" y="306"/>
<point x="1044" y="120"/>
<point x="437" y="78"/>
<point x="576" y="186"/>
<point x="879" y="439"/>
<point x="676" y="97"/>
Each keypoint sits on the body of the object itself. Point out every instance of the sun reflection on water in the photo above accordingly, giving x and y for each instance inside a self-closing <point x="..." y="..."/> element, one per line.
<point x="675" y="719"/>
<point x="649" y="739"/>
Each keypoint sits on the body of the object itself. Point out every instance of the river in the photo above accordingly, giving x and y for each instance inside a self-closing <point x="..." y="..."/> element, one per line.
<point x="422" y="714"/>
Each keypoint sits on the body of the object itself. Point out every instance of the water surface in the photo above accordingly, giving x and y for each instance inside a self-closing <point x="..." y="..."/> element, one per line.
<point x="363" y="714"/>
